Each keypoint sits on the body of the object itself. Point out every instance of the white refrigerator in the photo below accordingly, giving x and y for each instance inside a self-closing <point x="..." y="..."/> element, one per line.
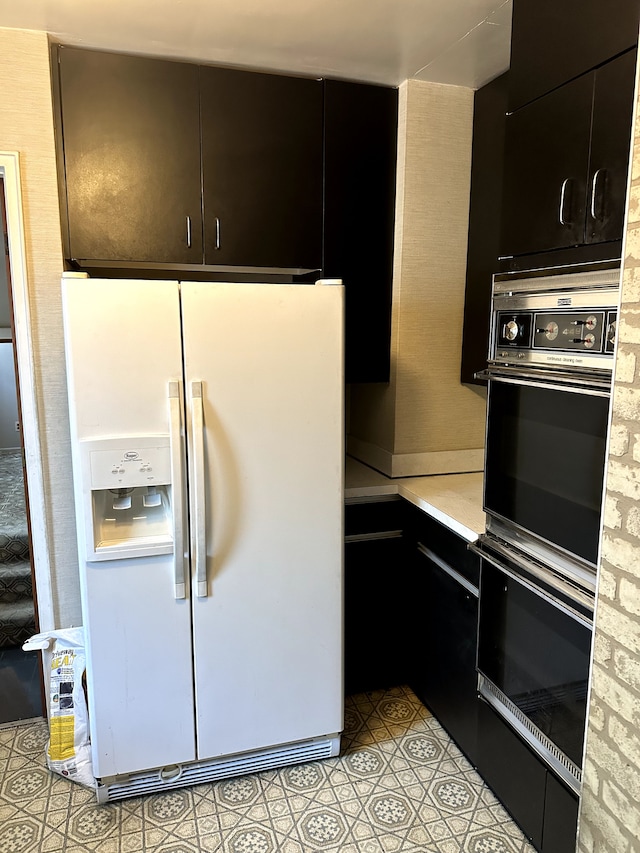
<point x="207" y="428"/>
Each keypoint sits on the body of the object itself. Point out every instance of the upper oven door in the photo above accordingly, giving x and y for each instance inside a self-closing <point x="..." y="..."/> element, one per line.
<point x="545" y="458"/>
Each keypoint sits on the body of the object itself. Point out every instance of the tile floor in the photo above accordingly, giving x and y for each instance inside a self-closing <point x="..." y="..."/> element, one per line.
<point x="399" y="786"/>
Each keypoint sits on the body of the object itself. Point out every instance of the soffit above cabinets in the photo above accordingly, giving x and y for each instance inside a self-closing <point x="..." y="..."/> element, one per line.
<point x="462" y="42"/>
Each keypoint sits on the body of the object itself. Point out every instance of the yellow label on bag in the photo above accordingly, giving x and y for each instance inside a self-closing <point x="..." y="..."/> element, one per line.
<point x="61" y="731"/>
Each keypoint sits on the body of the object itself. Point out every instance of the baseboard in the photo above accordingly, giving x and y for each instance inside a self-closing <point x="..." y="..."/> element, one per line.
<point x="416" y="464"/>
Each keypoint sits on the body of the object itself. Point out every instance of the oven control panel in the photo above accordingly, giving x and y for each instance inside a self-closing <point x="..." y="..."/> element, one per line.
<point x="564" y="331"/>
<point x="556" y="320"/>
<point x="579" y="337"/>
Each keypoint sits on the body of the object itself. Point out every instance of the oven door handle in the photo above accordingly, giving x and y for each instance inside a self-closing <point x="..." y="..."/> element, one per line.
<point x="597" y="386"/>
<point x="531" y="587"/>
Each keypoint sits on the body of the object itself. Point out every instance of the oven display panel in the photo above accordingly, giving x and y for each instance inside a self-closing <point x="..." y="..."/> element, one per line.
<point x="563" y="331"/>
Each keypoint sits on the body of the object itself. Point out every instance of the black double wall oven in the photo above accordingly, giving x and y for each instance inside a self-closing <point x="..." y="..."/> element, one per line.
<point x="549" y="387"/>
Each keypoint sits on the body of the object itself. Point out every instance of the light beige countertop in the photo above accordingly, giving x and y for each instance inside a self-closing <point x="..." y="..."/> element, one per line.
<point x="455" y="500"/>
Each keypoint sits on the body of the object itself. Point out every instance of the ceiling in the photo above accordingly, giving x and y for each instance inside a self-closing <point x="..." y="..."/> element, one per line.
<point x="461" y="42"/>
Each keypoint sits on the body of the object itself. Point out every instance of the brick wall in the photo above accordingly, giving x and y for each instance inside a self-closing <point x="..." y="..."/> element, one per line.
<point x="610" y="810"/>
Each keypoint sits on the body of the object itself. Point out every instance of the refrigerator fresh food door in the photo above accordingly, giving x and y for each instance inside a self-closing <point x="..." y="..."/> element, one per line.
<point x="264" y="385"/>
<point x="124" y="362"/>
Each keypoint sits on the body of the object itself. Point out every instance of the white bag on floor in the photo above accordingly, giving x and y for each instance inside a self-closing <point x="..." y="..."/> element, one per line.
<point x="68" y="748"/>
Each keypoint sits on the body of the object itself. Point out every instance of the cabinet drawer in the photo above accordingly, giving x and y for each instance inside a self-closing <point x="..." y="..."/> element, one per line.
<point x="444" y="543"/>
<point x="374" y="517"/>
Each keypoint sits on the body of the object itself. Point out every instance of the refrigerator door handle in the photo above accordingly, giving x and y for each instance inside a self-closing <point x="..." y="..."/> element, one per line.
<point x="175" y="446"/>
<point x="197" y="494"/>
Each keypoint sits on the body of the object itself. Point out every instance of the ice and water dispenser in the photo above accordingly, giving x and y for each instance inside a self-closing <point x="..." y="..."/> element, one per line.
<point x="127" y="494"/>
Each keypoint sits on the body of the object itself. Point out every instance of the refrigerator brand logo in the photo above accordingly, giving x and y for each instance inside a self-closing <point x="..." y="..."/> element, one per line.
<point x="564" y="300"/>
<point x="131" y="455"/>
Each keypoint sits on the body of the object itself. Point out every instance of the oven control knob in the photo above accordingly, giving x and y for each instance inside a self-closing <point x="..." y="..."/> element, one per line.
<point x="510" y="330"/>
<point x="592" y="322"/>
<point x="589" y="340"/>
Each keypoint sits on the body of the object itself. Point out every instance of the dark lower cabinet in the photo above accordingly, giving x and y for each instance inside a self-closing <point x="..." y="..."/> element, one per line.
<point x="545" y="809"/>
<point x="514" y="773"/>
<point x="377" y="631"/>
<point x="411" y="616"/>
<point x="560" y="818"/>
<point x="443" y="605"/>
<point x="444" y="675"/>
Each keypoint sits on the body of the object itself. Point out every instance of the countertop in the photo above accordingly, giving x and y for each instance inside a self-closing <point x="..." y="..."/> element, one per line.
<point x="455" y="500"/>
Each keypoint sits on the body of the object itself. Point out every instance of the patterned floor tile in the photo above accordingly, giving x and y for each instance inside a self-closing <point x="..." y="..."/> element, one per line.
<point x="399" y="786"/>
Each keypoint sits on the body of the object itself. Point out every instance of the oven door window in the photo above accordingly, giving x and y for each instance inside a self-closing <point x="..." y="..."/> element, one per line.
<point x="545" y="463"/>
<point x="537" y="655"/>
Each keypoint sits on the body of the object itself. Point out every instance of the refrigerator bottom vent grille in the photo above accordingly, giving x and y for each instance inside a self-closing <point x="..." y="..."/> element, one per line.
<point x="198" y="773"/>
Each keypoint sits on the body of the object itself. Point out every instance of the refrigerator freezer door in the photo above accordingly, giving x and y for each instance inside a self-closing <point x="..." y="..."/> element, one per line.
<point x="268" y="635"/>
<point x="123" y="350"/>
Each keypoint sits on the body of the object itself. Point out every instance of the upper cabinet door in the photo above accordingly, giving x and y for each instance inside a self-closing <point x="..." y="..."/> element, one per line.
<point x="262" y="169"/>
<point x="553" y="41"/>
<point x="361" y="129"/>
<point x="131" y="158"/>
<point x="610" y="146"/>
<point x="545" y="175"/>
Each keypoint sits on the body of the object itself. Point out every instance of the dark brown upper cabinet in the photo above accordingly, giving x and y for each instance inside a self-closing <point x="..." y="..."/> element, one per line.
<point x="566" y="160"/>
<point x="610" y="148"/>
<point x="262" y="169"/>
<point x="131" y="152"/>
<point x="487" y="157"/>
<point x="554" y="41"/>
<point x="209" y="171"/>
<point x="360" y="138"/>
<point x="171" y="163"/>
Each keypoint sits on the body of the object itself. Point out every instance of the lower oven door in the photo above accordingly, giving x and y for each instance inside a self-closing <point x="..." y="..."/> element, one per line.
<point x="545" y="458"/>
<point x="534" y="644"/>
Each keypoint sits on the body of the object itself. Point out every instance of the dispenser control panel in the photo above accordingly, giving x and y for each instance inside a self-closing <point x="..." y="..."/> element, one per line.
<point x="117" y="464"/>
<point x="131" y="468"/>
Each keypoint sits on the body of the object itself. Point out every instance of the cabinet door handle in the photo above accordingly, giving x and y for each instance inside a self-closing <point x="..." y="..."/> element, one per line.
<point x="217" y="232"/>
<point x="594" y="192"/>
<point x="188" y="232"/>
<point x="563" y="195"/>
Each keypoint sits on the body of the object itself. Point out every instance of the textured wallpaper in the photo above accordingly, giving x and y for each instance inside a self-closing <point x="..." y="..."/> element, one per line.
<point x="26" y="126"/>
<point x="425" y="410"/>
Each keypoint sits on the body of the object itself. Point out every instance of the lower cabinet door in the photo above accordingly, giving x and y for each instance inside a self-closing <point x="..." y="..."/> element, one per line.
<point x="560" y="818"/>
<point x="516" y="775"/>
<point x="376" y="628"/>
<point x="444" y="675"/>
